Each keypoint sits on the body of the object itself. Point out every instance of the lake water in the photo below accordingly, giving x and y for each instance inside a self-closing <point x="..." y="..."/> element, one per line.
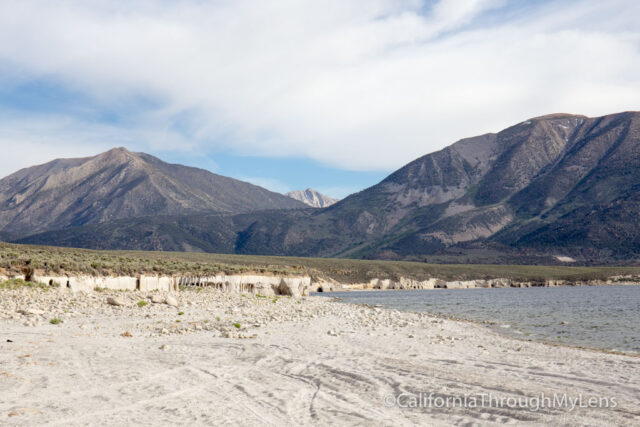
<point x="606" y="317"/>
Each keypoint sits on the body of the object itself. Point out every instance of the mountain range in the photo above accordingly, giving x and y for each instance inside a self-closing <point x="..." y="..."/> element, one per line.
<point x="546" y="190"/>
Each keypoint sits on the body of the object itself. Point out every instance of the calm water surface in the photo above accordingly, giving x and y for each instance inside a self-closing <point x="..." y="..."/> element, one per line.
<point x="605" y="317"/>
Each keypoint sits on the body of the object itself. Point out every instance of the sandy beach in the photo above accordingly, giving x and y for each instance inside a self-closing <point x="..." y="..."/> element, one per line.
<point x="209" y="357"/>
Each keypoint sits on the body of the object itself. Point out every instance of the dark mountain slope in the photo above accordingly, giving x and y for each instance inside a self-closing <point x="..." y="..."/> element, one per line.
<point x="190" y="233"/>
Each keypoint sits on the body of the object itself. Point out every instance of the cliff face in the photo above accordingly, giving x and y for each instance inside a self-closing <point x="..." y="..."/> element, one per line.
<point x="120" y="184"/>
<point x="269" y="286"/>
<point x="262" y="285"/>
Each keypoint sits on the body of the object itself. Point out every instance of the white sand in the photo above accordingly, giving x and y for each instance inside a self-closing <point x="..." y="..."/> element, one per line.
<point x="311" y="362"/>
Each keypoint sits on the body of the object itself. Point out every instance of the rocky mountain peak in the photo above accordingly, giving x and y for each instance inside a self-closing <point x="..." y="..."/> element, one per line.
<point x="312" y="198"/>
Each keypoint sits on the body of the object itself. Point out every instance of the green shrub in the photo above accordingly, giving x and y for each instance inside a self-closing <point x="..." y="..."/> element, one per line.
<point x="55" y="321"/>
<point x="142" y="303"/>
<point x="19" y="283"/>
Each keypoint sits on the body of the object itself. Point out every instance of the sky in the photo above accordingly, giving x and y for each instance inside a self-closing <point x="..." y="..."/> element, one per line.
<point x="289" y="94"/>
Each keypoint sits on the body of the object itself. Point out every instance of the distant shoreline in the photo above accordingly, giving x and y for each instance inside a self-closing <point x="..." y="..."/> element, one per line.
<point x="489" y="324"/>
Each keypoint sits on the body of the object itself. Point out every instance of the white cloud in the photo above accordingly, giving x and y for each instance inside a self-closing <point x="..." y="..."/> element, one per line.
<point x="363" y="84"/>
<point x="35" y="140"/>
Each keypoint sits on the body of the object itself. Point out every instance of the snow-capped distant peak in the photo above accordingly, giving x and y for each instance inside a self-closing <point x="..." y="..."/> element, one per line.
<point x="312" y="198"/>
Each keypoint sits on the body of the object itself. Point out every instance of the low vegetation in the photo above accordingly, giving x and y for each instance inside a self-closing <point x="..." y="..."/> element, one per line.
<point x="14" y="259"/>
<point x="13" y="284"/>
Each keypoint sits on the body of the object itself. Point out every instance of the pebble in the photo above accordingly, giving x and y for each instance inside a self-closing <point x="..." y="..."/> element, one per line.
<point x="115" y="301"/>
<point x="172" y="301"/>
<point x="31" y="312"/>
<point x="157" y="299"/>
